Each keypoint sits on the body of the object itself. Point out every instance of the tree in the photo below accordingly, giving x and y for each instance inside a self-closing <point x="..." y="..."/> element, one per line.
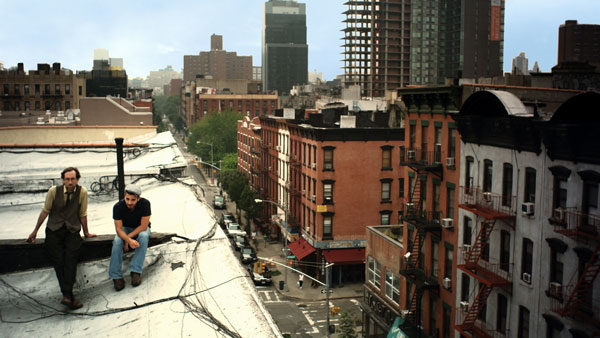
<point x="347" y="324"/>
<point x="218" y="130"/>
<point x="234" y="183"/>
<point x="229" y="162"/>
<point x="248" y="204"/>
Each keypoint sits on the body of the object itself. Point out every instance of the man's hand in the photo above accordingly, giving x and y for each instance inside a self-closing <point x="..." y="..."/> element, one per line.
<point x="32" y="236"/>
<point x="89" y="235"/>
<point x="132" y="244"/>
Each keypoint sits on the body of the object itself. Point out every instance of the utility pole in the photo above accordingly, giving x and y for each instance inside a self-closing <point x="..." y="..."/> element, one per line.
<point x="327" y="291"/>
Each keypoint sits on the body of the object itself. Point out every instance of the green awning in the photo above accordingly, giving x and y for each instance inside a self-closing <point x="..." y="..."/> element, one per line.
<point x="395" y="331"/>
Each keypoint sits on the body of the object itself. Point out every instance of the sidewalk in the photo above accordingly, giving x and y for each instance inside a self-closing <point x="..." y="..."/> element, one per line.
<point x="273" y="251"/>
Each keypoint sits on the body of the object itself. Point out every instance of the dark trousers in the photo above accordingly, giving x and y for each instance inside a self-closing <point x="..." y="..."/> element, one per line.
<point x="63" y="248"/>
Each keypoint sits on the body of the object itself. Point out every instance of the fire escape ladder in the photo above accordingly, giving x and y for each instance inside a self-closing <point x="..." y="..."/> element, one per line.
<point x="414" y="305"/>
<point x="415" y="250"/>
<point x="415" y="197"/>
<point x="475" y="308"/>
<point x="481" y="241"/>
<point x="579" y="296"/>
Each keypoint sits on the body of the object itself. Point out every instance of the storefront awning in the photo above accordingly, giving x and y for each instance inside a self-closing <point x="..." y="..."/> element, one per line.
<point x="345" y="256"/>
<point x="301" y="248"/>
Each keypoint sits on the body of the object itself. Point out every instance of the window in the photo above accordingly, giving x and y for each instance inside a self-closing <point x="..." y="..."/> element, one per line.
<point x="507" y="181"/>
<point x="47" y="89"/>
<point x="438" y="145"/>
<point x="26" y="89"/>
<point x="67" y="105"/>
<point x="590" y="198"/>
<point x="435" y="253"/>
<point x="392" y="286"/>
<point x="469" y="173"/>
<point x="523" y="323"/>
<point x="432" y="316"/>
<point x="447" y="310"/>
<point x="17" y="106"/>
<point x="37" y="105"/>
<point x="556" y="266"/>
<point x="450" y="202"/>
<point x="401" y="187"/>
<point x="327" y="220"/>
<point x="560" y="193"/>
<point x="467" y="230"/>
<point x="527" y="257"/>
<point x="504" y="250"/>
<point x="57" y="105"/>
<point x="448" y="263"/>
<point x="501" y="313"/>
<point x="385" y="190"/>
<point x="37" y="89"/>
<point x="17" y="89"/>
<point x="464" y="287"/>
<point x="386" y="158"/>
<point x="81" y="91"/>
<point x="374" y="272"/>
<point x="529" y="185"/>
<point x="385" y="217"/>
<point x="5" y="86"/>
<point x="57" y="89"/>
<point x="327" y="159"/>
<point x="47" y="105"/>
<point x="67" y="89"/>
<point x="413" y="136"/>
<point x="436" y="200"/>
<point x="487" y="175"/>
<point x="451" y="142"/>
<point x="328" y="193"/>
<point x="26" y="105"/>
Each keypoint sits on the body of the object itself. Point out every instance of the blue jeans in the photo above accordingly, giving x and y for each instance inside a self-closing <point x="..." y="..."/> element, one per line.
<point x="137" y="262"/>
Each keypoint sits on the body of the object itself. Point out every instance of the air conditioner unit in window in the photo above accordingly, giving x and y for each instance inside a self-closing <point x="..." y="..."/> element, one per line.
<point x="314" y="198"/>
<point x="407" y="257"/>
<point x="447" y="223"/>
<point x="526" y="277"/>
<point x="487" y="196"/>
<point x="410" y="154"/>
<point x="466" y="249"/>
<point x="450" y="162"/>
<point x="464" y="306"/>
<point x="409" y="206"/>
<point x="527" y="208"/>
<point x="559" y="214"/>
<point x="555" y="288"/>
<point x="314" y="166"/>
<point x="303" y="192"/>
<point x="447" y="283"/>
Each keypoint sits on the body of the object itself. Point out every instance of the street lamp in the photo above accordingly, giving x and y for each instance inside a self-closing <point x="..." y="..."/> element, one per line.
<point x="285" y="209"/>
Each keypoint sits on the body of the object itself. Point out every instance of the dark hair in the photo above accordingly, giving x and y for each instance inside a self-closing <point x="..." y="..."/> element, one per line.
<point x="66" y="170"/>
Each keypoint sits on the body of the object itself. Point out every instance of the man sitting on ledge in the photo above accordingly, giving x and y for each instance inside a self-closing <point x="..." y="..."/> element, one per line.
<point x="132" y="224"/>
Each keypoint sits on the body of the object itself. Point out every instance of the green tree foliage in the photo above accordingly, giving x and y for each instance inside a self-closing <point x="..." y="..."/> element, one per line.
<point x="347" y="324"/>
<point x="218" y="129"/>
<point x="229" y="162"/>
<point x="234" y="183"/>
<point x="248" y="204"/>
<point x="169" y="106"/>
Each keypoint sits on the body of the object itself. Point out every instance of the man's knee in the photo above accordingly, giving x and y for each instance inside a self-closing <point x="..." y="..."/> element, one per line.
<point x="117" y="242"/>
<point x="143" y="237"/>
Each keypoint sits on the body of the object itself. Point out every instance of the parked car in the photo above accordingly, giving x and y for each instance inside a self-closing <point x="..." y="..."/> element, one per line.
<point x="239" y="242"/>
<point x="234" y="229"/>
<point x="218" y="202"/>
<point x="247" y="255"/>
<point x="259" y="278"/>
<point x="226" y="219"/>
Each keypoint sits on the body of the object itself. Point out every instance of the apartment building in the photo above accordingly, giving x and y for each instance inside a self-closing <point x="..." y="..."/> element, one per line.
<point x="47" y="88"/>
<point x="528" y="213"/>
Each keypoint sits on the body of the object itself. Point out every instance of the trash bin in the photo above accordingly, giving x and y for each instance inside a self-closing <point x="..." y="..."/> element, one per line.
<point x="281" y="283"/>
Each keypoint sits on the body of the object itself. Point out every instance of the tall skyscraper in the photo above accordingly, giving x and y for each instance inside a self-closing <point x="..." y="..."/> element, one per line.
<point x="284" y="48"/>
<point x="520" y="65"/>
<point x="389" y="44"/>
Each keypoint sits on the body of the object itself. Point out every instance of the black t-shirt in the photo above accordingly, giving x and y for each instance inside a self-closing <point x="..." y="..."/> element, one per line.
<point x="132" y="218"/>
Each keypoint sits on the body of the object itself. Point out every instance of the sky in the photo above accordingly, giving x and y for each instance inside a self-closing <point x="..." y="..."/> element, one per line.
<point x="151" y="34"/>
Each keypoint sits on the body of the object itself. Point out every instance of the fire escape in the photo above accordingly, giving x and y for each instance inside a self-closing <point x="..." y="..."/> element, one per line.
<point x="423" y="164"/>
<point x="576" y="299"/>
<point x="294" y="185"/>
<point x="493" y="208"/>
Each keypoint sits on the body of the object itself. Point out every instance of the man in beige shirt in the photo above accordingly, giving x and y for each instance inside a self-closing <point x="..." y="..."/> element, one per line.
<point x="67" y="206"/>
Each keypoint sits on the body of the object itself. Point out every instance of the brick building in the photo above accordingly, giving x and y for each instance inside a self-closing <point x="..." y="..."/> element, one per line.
<point x="249" y="104"/>
<point x="47" y="88"/>
<point x="309" y="165"/>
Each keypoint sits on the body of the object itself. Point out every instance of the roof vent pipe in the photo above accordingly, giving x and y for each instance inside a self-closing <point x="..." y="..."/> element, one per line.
<point x="120" y="170"/>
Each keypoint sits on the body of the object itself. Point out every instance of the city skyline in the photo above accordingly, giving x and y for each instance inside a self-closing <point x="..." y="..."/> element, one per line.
<point x="151" y="35"/>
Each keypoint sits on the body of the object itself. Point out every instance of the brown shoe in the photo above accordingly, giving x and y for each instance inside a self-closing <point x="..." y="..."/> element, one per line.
<point x="75" y="304"/>
<point x="66" y="301"/>
<point x="136" y="279"/>
<point x="119" y="284"/>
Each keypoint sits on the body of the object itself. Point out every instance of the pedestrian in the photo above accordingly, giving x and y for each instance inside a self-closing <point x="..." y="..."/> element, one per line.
<point x="300" y="280"/>
<point x="132" y="224"/>
<point x="67" y="206"/>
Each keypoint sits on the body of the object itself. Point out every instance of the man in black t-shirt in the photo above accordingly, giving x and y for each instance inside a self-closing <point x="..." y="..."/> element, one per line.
<point x="132" y="224"/>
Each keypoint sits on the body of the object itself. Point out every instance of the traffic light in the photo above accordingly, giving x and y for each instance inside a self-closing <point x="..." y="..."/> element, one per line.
<point x="262" y="268"/>
<point x="290" y="262"/>
<point x="256" y="265"/>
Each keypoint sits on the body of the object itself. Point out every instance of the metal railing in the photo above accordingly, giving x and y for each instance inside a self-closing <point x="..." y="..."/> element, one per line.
<point x="415" y="156"/>
<point x="572" y="222"/>
<point x="486" y="201"/>
<point x="502" y="270"/>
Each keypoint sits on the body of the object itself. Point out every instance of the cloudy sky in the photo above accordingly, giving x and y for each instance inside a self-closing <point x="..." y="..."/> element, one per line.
<point x="150" y="34"/>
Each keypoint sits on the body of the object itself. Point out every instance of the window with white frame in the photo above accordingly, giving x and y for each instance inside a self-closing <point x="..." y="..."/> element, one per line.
<point x="392" y="286"/>
<point x="374" y="272"/>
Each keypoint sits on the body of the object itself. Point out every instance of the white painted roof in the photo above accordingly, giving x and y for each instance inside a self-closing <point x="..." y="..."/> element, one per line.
<point x="204" y="274"/>
<point x="513" y="105"/>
